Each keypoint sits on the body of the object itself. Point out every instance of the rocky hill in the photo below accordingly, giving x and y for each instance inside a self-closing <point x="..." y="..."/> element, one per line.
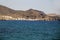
<point x="31" y="14"/>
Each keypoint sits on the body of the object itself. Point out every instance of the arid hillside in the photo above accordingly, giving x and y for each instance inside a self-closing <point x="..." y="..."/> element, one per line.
<point x="10" y="14"/>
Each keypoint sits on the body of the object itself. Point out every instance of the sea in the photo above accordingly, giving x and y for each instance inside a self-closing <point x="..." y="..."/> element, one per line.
<point x="29" y="30"/>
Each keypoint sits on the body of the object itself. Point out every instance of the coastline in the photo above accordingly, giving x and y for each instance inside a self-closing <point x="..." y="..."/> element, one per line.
<point x="28" y="19"/>
<point x="30" y="14"/>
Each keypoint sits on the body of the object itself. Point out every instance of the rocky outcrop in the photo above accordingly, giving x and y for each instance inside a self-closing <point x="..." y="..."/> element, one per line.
<point x="31" y="14"/>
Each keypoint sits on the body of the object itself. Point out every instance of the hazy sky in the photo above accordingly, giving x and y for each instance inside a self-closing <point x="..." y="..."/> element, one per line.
<point x="48" y="6"/>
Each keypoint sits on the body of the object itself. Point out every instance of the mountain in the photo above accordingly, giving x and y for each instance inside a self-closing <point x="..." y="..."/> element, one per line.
<point x="5" y="10"/>
<point x="10" y="14"/>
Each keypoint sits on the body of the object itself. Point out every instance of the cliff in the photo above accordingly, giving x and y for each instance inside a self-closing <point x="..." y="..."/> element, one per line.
<point x="31" y="14"/>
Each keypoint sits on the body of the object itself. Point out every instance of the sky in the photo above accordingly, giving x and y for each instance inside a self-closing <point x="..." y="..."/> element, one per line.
<point x="48" y="6"/>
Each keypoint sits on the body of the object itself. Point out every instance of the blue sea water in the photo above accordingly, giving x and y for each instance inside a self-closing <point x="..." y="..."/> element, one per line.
<point x="29" y="30"/>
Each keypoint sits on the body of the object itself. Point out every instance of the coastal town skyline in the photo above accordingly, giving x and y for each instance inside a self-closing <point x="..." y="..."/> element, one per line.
<point x="48" y="6"/>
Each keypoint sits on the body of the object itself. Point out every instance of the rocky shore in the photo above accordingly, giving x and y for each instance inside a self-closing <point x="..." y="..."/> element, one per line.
<point x="31" y="14"/>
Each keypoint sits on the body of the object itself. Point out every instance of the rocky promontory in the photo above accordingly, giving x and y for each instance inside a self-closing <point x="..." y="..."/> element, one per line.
<point x="31" y="14"/>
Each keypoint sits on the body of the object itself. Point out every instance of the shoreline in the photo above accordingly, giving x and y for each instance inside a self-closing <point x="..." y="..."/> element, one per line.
<point x="29" y="19"/>
<point x="29" y="15"/>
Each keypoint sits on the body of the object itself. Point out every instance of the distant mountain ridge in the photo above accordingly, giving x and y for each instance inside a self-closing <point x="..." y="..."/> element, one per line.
<point x="8" y="14"/>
